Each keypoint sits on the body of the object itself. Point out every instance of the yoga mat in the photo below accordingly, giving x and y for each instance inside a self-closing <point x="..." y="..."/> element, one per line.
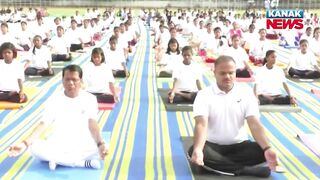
<point x="29" y="91"/>
<point x="239" y="79"/>
<point x="173" y="107"/>
<point x="40" y="169"/>
<point x="311" y="141"/>
<point x="279" y="108"/>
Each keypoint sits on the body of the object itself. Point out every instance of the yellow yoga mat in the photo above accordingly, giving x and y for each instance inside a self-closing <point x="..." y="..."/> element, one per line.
<point x="29" y="91"/>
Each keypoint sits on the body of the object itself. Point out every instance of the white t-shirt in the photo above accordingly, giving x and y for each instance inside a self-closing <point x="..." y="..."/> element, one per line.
<point x="39" y="59"/>
<point x="270" y="81"/>
<point x="186" y="76"/>
<point x="239" y="55"/>
<point x="59" y="45"/>
<point x="259" y="48"/>
<point x="226" y="113"/>
<point x="171" y="60"/>
<point x="9" y="75"/>
<point x="115" y="59"/>
<point x="97" y="78"/>
<point x="70" y="118"/>
<point x="303" y="62"/>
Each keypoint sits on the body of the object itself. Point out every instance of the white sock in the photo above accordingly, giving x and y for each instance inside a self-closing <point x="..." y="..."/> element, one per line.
<point x="52" y="165"/>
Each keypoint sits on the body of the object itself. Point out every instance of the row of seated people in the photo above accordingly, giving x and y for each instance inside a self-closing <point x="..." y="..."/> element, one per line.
<point x="97" y="74"/>
<point x="270" y="79"/>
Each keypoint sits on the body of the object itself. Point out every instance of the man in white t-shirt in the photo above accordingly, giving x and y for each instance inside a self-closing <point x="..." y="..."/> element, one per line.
<point x="220" y="137"/>
<point x="75" y="139"/>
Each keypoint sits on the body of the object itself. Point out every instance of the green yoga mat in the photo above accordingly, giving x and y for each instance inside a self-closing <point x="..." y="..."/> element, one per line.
<point x="187" y="142"/>
<point x="173" y="107"/>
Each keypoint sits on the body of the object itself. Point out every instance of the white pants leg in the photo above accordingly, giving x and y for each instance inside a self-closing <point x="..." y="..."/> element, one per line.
<point x="47" y="151"/>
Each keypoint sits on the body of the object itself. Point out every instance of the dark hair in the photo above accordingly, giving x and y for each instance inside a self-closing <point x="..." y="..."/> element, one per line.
<point x="4" y="24"/>
<point x="171" y="41"/>
<point x="34" y="47"/>
<point x="303" y="41"/>
<point x="8" y="45"/>
<point x="268" y="53"/>
<point x="113" y="38"/>
<point x="222" y="59"/>
<point x="72" y="68"/>
<point x="315" y="29"/>
<point x="234" y="36"/>
<point x="98" y="50"/>
<point x="60" y="27"/>
<point x="187" y="48"/>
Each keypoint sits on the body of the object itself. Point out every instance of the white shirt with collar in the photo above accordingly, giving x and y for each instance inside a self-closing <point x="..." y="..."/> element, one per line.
<point x="226" y="112"/>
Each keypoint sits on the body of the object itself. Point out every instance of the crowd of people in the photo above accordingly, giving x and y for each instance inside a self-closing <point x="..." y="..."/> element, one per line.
<point x="239" y="45"/>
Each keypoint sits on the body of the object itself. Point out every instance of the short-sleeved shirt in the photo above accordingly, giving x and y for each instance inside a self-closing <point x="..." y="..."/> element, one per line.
<point x="303" y="62"/>
<point x="70" y="117"/>
<point x="39" y="57"/>
<point x="9" y="75"/>
<point x="97" y="78"/>
<point x="226" y="112"/>
<point x="186" y="76"/>
<point x="270" y="81"/>
<point x="239" y="55"/>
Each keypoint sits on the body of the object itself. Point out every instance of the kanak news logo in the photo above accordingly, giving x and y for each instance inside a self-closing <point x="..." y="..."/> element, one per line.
<point x="284" y="18"/>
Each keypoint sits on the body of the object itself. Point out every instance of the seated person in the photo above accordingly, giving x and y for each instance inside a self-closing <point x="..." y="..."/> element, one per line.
<point x="74" y="33"/>
<point x="39" y="59"/>
<point x="99" y="79"/>
<point x="87" y="33"/>
<point x="259" y="48"/>
<point x="170" y="59"/>
<point x="220" y="136"/>
<point x="269" y="82"/>
<point x="303" y="63"/>
<point x="24" y="37"/>
<point x="60" y="46"/>
<point x="75" y="138"/>
<point x="11" y="75"/>
<point x="240" y="57"/>
<point x="186" y="79"/>
<point x="115" y="59"/>
<point x="315" y="42"/>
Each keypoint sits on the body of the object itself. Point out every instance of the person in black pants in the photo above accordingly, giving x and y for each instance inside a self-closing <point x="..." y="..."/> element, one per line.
<point x="220" y="137"/>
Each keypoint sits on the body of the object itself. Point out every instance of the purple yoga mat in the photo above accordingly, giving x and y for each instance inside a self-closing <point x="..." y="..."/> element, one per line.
<point x="312" y="141"/>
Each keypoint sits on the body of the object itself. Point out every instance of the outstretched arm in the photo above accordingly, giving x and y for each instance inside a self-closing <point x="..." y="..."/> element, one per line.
<point x="17" y="149"/>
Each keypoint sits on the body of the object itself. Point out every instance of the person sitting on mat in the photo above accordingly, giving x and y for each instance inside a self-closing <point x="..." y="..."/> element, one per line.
<point x="186" y="79"/>
<point x="115" y="59"/>
<point x="11" y="75"/>
<point x="99" y="79"/>
<point x="269" y="82"/>
<point x="75" y="138"/>
<point x="170" y="59"/>
<point x="303" y="63"/>
<point x="60" y="46"/>
<point x="39" y="60"/>
<point x="240" y="56"/>
<point x="259" y="48"/>
<point x="75" y="36"/>
<point x="220" y="138"/>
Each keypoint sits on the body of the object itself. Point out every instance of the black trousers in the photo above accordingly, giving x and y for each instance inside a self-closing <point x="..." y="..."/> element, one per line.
<point x="231" y="158"/>
<point x="165" y="74"/>
<point x="276" y="100"/>
<point x="306" y="74"/>
<point x="119" y="73"/>
<point x="75" y="47"/>
<point x="104" y="98"/>
<point x="60" y="57"/>
<point x="242" y="73"/>
<point x="178" y="99"/>
<point x="12" y="97"/>
<point x="31" y="71"/>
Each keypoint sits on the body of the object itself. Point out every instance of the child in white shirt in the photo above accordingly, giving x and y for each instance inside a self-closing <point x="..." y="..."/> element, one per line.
<point x="11" y="75"/>
<point x="187" y="79"/>
<point x="303" y="63"/>
<point x="99" y="79"/>
<point x="270" y="80"/>
<point x="60" y="46"/>
<point x="39" y="61"/>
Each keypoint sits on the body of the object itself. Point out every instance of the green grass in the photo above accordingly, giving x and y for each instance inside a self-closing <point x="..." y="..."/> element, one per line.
<point x="55" y="11"/>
